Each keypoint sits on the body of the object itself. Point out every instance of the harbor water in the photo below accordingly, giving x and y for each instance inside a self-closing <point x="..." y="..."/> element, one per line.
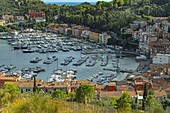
<point x="22" y="60"/>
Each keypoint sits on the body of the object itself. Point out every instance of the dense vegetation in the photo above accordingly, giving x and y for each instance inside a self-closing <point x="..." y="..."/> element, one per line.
<point x="104" y="16"/>
<point x="12" y="101"/>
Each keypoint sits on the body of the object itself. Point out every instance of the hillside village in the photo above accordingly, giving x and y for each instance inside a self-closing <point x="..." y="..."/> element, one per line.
<point x="153" y="42"/>
<point x="153" y="46"/>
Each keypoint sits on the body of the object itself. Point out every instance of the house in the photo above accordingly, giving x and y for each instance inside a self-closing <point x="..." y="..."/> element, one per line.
<point x="68" y="31"/>
<point x="103" y="38"/>
<point x="76" y="83"/>
<point x="110" y="86"/>
<point x="139" y="82"/>
<point x="159" y="19"/>
<point x="77" y="30"/>
<point x="145" y="39"/>
<point x="62" y="28"/>
<point x="20" y="18"/>
<point x="40" y="19"/>
<point x="161" y="59"/>
<point x="159" y="46"/>
<point x="103" y="94"/>
<point x="50" y="87"/>
<point x="8" y="18"/>
<point x="93" y="36"/>
<point x="138" y="25"/>
<point x="53" y="26"/>
<point x="159" y="68"/>
<point x="8" y="78"/>
<point x="98" y="87"/>
<point x="38" y="16"/>
<point x="2" y="22"/>
<point x="56" y="17"/>
<point x="166" y="35"/>
<point x="35" y="14"/>
<point x="27" y="86"/>
<point x="166" y="27"/>
<point x="167" y="90"/>
<point x="85" y="34"/>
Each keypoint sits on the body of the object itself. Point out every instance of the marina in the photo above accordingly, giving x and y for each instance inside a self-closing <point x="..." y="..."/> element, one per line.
<point x="61" y="53"/>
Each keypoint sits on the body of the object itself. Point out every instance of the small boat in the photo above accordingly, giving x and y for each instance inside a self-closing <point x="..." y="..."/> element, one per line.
<point x="100" y="73"/>
<point x="54" y="58"/>
<point x="28" y="75"/>
<point x="38" y="70"/>
<point x="91" y="63"/>
<point x="48" y="61"/>
<point x="35" y="60"/>
<point x="10" y="67"/>
<point x="2" y="65"/>
<point x="28" y="51"/>
<point x="4" y="70"/>
<point x="60" y="75"/>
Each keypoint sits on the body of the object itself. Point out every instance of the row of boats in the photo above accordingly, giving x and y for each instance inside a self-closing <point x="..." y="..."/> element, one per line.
<point x="60" y="76"/>
<point x="102" y="79"/>
<point x="81" y="60"/>
<point x="49" y="60"/>
<point x="29" y="72"/>
<point x="67" y="61"/>
<point x="6" y="68"/>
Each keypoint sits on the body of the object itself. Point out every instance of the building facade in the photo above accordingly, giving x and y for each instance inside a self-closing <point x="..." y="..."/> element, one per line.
<point x="161" y="59"/>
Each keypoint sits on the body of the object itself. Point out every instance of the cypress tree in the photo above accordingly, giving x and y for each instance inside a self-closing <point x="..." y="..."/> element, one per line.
<point x="35" y="88"/>
<point x="145" y="92"/>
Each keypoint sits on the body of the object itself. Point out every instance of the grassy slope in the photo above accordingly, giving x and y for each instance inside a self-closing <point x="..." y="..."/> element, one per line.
<point x="44" y="104"/>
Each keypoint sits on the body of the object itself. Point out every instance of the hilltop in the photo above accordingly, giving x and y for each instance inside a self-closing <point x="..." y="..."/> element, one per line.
<point x="104" y="16"/>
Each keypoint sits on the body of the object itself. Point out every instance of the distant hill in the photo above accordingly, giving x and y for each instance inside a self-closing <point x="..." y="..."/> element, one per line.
<point x="7" y="6"/>
<point x="17" y="7"/>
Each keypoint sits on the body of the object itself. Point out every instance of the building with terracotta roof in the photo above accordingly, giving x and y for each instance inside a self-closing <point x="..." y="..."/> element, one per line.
<point x="35" y="14"/>
<point x="159" y="19"/>
<point x="74" y="84"/>
<point x="77" y="30"/>
<point x="2" y="22"/>
<point x="160" y="46"/>
<point x="103" y="94"/>
<point x="8" y="18"/>
<point x="160" y="94"/>
<point x="49" y="87"/>
<point x="110" y="86"/>
<point x="8" y="78"/>
<point x="93" y="36"/>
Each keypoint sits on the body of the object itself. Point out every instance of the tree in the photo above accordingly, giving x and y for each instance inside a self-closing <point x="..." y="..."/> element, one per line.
<point x="166" y="103"/>
<point x="122" y="2"/>
<point x="59" y="94"/>
<point x="150" y="102"/>
<point x="145" y="93"/>
<point x="35" y="88"/>
<point x="12" y="89"/>
<point x="123" y="103"/>
<point x="5" y="97"/>
<point x="84" y="93"/>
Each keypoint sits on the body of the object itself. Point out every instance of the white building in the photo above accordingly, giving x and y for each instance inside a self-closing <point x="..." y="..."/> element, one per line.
<point x="40" y="20"/>
<point x="161" y="59"/>
<point x="138" y="24"/>
<point x="103" y="38"/>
